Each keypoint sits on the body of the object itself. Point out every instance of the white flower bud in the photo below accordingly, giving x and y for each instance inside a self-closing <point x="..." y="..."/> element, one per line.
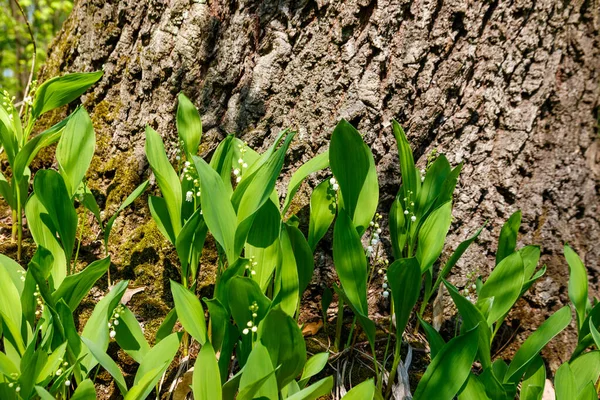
<point x="385" y="285"/>
<point x="236" y="172"/>
<point x="58" y="372"/>
<point x="189" y="195"/>
<point x="238" y="179"/>
<point x="386" y="294"/>
<point x="244" y="165"/>
<point x="405" y="212"/>
<point x="116" y="322"/>
<point x="67" y="383"/>
<point x="335" y="187"/>
<point x="249" y="323"/>
<point x="240" y="161"/>
<point x="332" y="181"/>
<point x="245" y="331"/>
<point x="374" y="242"/>
<point x="370" y="249"/>
<point x="112" y="334"/>
<point x="413" y="218"/>
<point x="378" y="231"/>
<point x="254" y="328"/>
<point x="187" y="163"/>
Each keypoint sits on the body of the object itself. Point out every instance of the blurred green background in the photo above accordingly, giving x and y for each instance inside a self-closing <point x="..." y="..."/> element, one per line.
<point x="46" y="18"/>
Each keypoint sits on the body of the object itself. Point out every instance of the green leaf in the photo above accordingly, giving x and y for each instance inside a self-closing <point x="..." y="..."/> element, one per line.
<point x="588" y="392"/>
<point x="353" y="166"/>
<point x="107" y="363"/>
<point x="75" y="287"/>
<point x="410" y="175"/>
<point x="52" y="192"/>
<point x="160" y="356"/>
<point x="586" y="369"/>
<point x="258" y="380"/>
<point x="503" y="286"/>
<point x="313" y="165"/>
<point x="14" y="270"/>
<point x="436" y="342"/>
<point x="565" y="387"/>
<point x="350" y="262"/>
<point x="130" y="337"/>
<point x="219" y="322"/>
<point x="75" y="149"/>
<point x="6" y="191"/>
<point x="595" y="334"/>
<point x="242" y="292"/>
<point x="578" y="284"/>
<point x="449" y="369"/>
<point x="303" y="256"/>
<point x="433" y="234"/>
<point x="218" y="212"/>
<point x="287" y="280"/>
<point x="137" y="192"/>
<point x="472" y="317"/>
<point x="10" y="300"/>
<point x="44" y="237"/>
<point x="160" y="214"/>
<point x="283" y="339"/>
<point x="398" y="234"/>
<point x="263" y="246"/>
<point x="189" y="125"/>
<point x="8" y="139"/>
<point x="7" y="367"/>
<point x="26" y="155"/>
<point x="206" y="383"/>
<point x="189" y="311"/>
<point x="190" y="242"/>
<point x="318" y="389"/>
<point x="52" y="364"/>
<point x="62" y="90"/>
<point x="473" y="390"/>
<point x="313" y="366"/>
<point x="221" y="161"/>
<point x="363" y="391"/>
<point x="322" y="212"/>
<point x="254" y="190"/>
<point x="536" y="342"/>
<point x="166" y="328"/>
<point x="166" y="177"/>
<point x="534" y="381"/>
<point x="85" y="391"/>
<point x="404" y="278"/>
<point x="508" y="237"/>
<point x="68" y="324"/>
<point x="432" y="185"/>
<point x="96" y="328"/>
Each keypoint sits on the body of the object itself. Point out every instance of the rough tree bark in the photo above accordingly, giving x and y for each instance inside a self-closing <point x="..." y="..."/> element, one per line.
<point x="510" y="88"/>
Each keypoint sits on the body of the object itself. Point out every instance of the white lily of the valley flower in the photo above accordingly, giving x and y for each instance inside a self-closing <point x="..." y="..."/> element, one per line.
<point x="189" y="196"/>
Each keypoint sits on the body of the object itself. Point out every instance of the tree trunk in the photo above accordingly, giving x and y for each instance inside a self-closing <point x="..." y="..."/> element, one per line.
<point x="510" y="88"/>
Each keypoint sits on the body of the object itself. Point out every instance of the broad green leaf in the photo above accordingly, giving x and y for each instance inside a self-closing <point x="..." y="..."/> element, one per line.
<point x="398" y="234"/>
<point x="219" y="322"/>
<point x="28" y="152"/>
<point x="52" y="364"/>
<point x="7" y="367"/>
<point x="503" y="286"/>
<point x="242" y="293"/>
<point x="206" y="383"/>
<point x="433" y="234"/>
<point x="565" y="386"/>
<point x="508" y="237"/>
<point x="353" y="166"/>
<point x="586" y="369"/>
<point x="137" y="192"/>
<point x="96" y="328"/>
<point x="107" y="363"/>
<point x="283" y="339"/>
<point x="287" y="279"/>
<point x="62" y="90"/>
<point x="45" y="395"/>
<point x="68" y="324"/>
<point x="221" y="161"/>
<point x="189" y="125"/>
<point x="6" y="192"/>
<point x="75" y="287"/>
<point x="10" y="301"/>
<point x="317" y="390"/>
<point x="531" y="257"/>
<point x="313" y="366"/>
<point x="253" y="384"/>
<point x="303" y="256"/>
<point x="8" y="139"/>
<point x="322" y="212"/>
<point x="450" y="369"/>
<point x="52" y="192"/>
<point x="588" y="392"/>
<point x="14" y="270"/>
<point x="578" y="284"/>
<point x="75" y="149"/>
<point x="130" y="337"/>
<point x="189" y="311"/>
<point x="534" y="381"/>
<point x="436" y="342"/>
<point x="536" y="342"/>
<point x="147" y="382"/>
<point x="166" y="177"/>
<point x="190" y="242"/>
<point x="254" y="190"/>
<point x="472" y="317"/>
<point x="160" y="356"/>
<point x="89" y="201"/>
<point x="313" y="165"/>
<point x="432" y="185"/>
<point x="595" y="334"/>
<point x="363" y="391"/>
<point x="218" y="212"/>
<point x="263" y="246"/>
<point x="85" y="391"/>
<point x="404" y="278"/>
<point x="350" y="261"/>
<point x="44" y="237"/>
<point x="447" y="189"/>
<point x="160" y="214"/>
<point x="460" y="250"/>
<point x="473" y="390"/>
<point x="166" y="328"/>
<point x="410" y="175"/>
